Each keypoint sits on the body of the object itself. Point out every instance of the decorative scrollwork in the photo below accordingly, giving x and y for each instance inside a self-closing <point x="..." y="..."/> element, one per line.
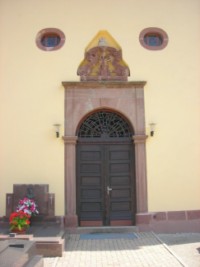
<point x="105" y="124"/>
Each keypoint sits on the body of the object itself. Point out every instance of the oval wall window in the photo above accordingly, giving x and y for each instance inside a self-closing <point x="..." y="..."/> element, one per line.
<point x="50" y="39"/>
<point x="153" y="38"/>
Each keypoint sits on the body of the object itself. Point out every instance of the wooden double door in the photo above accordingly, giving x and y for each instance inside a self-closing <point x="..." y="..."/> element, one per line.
<point x="105" y="184"/>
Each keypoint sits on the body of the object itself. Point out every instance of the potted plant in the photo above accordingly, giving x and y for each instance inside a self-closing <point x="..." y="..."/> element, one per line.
<point x="19" y="221"/>
<point x="28" y="206"/>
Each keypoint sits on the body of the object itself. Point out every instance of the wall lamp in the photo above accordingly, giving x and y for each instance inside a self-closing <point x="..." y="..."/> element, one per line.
<point x="152" y="128"/>
<point x="57" y="129"/>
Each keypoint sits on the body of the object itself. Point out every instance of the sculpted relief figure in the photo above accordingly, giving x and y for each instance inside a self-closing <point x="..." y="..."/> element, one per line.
<point x="103" y="63"/>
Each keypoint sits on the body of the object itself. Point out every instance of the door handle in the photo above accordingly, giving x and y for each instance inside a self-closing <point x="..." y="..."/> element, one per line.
<point x="108" y="190"/>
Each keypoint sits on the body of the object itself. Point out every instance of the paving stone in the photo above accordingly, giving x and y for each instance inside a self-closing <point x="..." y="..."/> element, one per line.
<point x="185" y="245"/>
<point x="144" y="251"/>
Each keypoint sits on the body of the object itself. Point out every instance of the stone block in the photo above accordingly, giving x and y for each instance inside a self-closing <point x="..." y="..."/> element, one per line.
<point x="50" y="246"/>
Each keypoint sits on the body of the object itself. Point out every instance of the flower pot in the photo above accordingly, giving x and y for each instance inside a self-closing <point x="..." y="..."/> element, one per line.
<point x="18" y="231"/>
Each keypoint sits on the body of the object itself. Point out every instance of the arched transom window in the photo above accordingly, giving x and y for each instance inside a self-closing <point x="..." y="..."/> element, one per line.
<point x="105" y="124"/>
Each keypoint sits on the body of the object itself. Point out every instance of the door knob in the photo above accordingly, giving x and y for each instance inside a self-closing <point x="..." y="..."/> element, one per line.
<point x="109" y="189"/>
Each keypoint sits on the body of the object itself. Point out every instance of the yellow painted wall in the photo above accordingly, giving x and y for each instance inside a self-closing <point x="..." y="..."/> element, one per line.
<point x="32" y="98"/>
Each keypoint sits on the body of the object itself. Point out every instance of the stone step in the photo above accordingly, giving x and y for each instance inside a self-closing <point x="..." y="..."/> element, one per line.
<point x="106" y="229"/>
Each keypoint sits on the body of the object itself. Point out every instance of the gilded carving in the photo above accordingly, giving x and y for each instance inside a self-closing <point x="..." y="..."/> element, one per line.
<point x="103" y="63"/>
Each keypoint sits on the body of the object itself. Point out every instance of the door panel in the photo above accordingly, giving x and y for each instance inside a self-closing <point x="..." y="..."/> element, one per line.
<point x="105" y="183"/>
<point x="120" y="179"/>
<point x="90" y="198"/>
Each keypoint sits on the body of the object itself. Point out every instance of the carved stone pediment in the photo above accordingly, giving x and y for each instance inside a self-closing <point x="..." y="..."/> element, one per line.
<point x="103" y="62"/>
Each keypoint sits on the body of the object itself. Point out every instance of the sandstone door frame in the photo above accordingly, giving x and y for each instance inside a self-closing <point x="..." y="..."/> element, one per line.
<point x="81" y="98"/>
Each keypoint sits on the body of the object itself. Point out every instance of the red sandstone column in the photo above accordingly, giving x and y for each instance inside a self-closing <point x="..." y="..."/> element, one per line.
<point x="71" y="219"/>
<point x="141" y="179"/>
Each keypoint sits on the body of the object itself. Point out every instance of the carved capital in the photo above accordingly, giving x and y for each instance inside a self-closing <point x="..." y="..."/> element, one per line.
<point x="139" y="139"/>
<point x="70" y="139"/>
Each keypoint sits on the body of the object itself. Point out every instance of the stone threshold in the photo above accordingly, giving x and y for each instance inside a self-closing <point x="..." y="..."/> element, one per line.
<point x="102" y="229"/>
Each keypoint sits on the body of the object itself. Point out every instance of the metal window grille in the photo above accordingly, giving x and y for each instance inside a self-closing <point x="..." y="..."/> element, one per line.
<point x="105" y="124"/>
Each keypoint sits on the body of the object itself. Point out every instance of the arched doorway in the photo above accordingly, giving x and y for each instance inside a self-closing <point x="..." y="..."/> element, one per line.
<point x="105" y="183"/>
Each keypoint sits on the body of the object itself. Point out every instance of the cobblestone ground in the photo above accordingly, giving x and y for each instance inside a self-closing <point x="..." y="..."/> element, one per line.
<point x="142" y="251"/>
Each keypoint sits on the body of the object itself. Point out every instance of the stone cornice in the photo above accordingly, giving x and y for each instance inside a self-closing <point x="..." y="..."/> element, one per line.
<point x="103" y="84"/>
